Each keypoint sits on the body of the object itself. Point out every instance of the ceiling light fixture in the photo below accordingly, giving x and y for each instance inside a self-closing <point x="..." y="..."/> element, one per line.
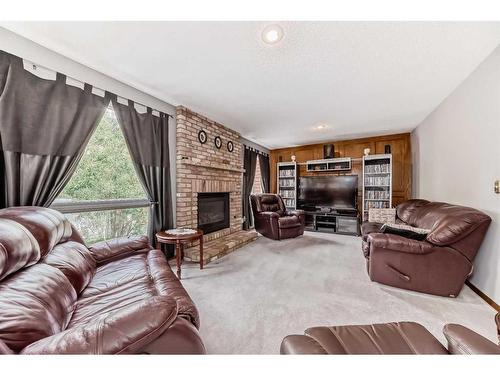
<point x="320" y="127"/>
<point x="272" y="34"/>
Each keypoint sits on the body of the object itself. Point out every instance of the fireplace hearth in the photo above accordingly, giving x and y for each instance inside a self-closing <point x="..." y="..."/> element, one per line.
<point x="213" y="211"/>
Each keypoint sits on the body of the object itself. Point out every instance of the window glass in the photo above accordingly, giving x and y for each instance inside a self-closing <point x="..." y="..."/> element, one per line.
<point x="105" y="173"/>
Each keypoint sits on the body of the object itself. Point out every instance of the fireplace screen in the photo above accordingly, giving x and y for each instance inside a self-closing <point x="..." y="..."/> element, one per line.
<point x="213" y="211"/>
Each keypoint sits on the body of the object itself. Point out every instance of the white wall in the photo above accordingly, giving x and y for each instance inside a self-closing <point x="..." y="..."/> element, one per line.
<point x="22" y="47"/>
<point x="456" y="159"/>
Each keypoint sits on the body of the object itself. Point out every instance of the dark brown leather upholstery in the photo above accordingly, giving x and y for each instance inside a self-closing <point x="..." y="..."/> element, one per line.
<point x="462" y="340"/>
<point x="59" y="297"/>
<point x="497" y="321"/>
<point x="439" y="265"/>
<point x="388" y="338"/>
<point x="272" y="220"/>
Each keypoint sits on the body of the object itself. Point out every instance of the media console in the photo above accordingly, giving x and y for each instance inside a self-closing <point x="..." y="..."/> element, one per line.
<point x="346" y="222"/>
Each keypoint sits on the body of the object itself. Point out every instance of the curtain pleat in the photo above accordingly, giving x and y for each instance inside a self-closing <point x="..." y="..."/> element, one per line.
<point x="264" y="172"/>
<point x="45" y="126"/>
<point x="249" y="164"/>
<point x="146" y="136"/>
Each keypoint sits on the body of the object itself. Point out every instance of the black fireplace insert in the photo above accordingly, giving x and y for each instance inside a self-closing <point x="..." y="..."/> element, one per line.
<point x="213" y="211"/>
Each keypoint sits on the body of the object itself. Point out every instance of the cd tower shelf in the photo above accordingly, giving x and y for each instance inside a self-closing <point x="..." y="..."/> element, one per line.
<point x="377" y="182"/>
<point x="287" y="183"/>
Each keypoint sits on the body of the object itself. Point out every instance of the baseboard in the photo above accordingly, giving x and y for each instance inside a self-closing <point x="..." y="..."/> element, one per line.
<point x="488" y="300"/>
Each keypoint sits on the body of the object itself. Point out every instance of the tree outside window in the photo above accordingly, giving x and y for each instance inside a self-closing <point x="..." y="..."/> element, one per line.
<point x="106" y="173"/>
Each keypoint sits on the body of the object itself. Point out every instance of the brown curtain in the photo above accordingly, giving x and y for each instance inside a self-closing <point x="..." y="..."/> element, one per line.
<point x="44" y="128"/>
<point x="147" y="139"/>
<point x="249" y="164"/>
<point x="264" y="172"/>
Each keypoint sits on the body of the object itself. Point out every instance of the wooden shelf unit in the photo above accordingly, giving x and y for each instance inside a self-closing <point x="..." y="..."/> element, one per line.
<point x="400" y="147"/>
<point x="287" y="177"/>
<point x="377" y="182"/>
<point x="329" y="165"/>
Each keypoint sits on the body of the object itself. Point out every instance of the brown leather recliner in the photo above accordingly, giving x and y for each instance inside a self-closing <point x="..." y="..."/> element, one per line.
<point x="439" y="265"/>
<point x="59" y="297"/>
<point x="272" y="220"/>
<point x="388" y="338"/>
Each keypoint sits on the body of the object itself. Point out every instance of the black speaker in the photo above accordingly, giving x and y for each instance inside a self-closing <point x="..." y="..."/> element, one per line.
<point x="387" y="149"/>
<point x="328" y="151"/>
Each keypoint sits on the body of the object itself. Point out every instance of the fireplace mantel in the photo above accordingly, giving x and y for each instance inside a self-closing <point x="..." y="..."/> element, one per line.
<point x="213" y="165"/>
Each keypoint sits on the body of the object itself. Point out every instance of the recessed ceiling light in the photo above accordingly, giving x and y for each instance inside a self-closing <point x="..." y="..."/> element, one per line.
<point x="272" y="34"/>
<point x="320" y="127"/>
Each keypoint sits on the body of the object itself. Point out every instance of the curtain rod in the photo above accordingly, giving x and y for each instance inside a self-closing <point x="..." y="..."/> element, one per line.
<point x="256" y="150"/>
<point x="36" y="66"/>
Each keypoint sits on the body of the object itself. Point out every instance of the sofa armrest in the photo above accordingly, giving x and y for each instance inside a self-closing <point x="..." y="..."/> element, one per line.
<point x="269" y="215"/>
<point x="116" y="248"/>
<point x="4" y="349"/>
<point x="462" y="340"/>
<point x="397" y="243"/>
<point x="295" y="213"/>
<point x="497" y="321"/>
<point x="124" y="331"/>
<point x="301" y="344"/>
<point x="301" y="214"/>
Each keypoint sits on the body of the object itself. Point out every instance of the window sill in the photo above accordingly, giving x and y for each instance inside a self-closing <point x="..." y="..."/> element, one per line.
<point x="98" y="205"/>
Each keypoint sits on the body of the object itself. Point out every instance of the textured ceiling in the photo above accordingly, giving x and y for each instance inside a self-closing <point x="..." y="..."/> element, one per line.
<point x="358" y="78"/>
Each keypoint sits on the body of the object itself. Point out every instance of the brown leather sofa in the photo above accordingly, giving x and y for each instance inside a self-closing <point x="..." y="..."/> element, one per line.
<point x="439" y="265"/>
<point x="272" y="220"/>
<point x="388" y="338"/>
<point x="59" y="297"/>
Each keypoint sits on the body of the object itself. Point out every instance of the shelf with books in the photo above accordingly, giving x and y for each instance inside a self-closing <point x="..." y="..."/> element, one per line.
<point x="377" y="182"/>
<point x="287" y="183"/>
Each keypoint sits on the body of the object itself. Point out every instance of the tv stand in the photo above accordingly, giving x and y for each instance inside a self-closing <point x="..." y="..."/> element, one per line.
<point x="334" y="221"/>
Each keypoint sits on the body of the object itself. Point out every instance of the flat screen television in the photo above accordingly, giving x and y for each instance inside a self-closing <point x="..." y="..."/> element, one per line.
<point x="336" y="192"/>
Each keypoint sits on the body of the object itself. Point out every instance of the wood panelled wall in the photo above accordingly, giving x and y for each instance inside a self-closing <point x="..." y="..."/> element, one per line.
<point x="401" y="159"/>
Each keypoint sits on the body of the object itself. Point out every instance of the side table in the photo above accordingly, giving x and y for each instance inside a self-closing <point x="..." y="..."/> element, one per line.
<point x="179" y="240"/>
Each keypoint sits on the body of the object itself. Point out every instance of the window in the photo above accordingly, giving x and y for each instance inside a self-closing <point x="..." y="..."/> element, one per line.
<point x="104" y="198"/>
<point x="257" y="183"/>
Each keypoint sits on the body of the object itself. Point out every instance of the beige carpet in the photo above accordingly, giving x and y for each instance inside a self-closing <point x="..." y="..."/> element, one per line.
<point x="252" y="298"/>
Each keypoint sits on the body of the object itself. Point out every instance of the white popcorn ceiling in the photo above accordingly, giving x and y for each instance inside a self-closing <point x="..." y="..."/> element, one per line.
<point x="358" y="78"/>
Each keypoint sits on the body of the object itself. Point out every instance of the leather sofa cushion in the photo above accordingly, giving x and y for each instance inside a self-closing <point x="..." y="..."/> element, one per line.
<point x="289" y="222"/>
<point x="75" y="261"/>
<point x="48" y="226"/>
<point x="448" y="223"/>
<point x="408" y="208"/>
<point x="18" y="247"/>
<point x="135" y="278"/>
<point x="122" y="332"/>
<point x="34" y="303"/>
<point x="390" y="338"/>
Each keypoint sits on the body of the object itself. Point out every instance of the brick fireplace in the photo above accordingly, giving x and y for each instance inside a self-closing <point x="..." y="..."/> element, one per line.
<point x="203" y="168"/>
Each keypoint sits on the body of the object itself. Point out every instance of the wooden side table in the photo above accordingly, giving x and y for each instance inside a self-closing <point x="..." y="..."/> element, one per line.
<point x="179" y="240"/>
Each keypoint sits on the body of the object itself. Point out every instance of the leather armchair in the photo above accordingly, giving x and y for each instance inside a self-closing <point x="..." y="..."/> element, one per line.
<point x="60" y="297"/>
<point x="438" y="265"/>
<point x="387" y="338"/>
<point x="272" y="220"/>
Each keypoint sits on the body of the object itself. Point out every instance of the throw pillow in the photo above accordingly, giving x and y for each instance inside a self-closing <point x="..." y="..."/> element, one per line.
<point x="382" y="215"/>
<point x="407" y="231"/>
